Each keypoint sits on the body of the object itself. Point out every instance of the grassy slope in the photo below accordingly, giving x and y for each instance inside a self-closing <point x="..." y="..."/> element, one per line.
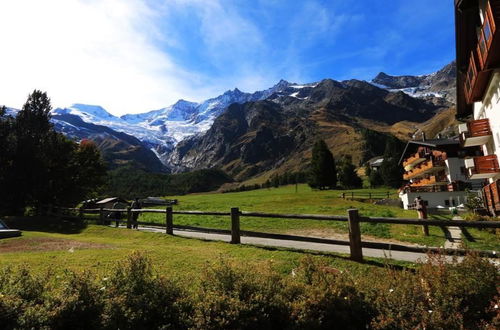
<point x="305" y="201"/>
<point x="174" y="256"/>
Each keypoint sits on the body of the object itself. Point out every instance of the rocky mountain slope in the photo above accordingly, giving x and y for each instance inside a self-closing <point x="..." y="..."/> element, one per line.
<point x="255" y="137"/>
<point x="438" y="84"/>
<point x="249" y="134"/>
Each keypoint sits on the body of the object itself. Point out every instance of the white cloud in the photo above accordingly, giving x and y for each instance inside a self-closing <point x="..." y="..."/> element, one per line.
<point x="93" y="51"/>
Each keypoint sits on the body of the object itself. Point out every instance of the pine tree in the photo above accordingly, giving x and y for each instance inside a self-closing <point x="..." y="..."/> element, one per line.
<point x="390" y="170"/>
<point x="323" y="173"/>
<point x="41" y="165"/>
<point x="347" y="176"/>
<point x="375" y="179"/>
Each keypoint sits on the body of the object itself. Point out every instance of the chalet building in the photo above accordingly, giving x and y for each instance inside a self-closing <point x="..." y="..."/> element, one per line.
<point x="478" y="91"/>
<point x="435" y="170"/>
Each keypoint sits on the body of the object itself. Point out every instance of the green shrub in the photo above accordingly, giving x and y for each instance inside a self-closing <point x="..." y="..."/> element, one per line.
<point x="137" y="298"/>
<point x="78" y="304"/>
<point x="238" y="298"/>
<point x="441" y="295"/>
<point x="329" y="299"/>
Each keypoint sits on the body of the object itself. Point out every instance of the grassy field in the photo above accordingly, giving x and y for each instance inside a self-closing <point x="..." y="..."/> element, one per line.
<point x="99" y="248"/>
<point x="303" y="201"/>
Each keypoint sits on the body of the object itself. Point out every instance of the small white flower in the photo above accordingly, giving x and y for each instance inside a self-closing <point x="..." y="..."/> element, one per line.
<point x="496" y="306"/>
<point x="293" y="273"/>
<point x="103" y="288"/>
<point x="430" y="310"/>
<point x="71" y="250"/>
<point x="105" y="279"/>
<point x="391" y="290"/>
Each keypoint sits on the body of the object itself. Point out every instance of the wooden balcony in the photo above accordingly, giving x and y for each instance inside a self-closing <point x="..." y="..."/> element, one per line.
<point x="491" y="197"/>
<point x="433" y="180"/>
<point x="483" y="167"/>
<point x="486" y="55"/>
<point x="488" y="39"/>
<point x="414" y="159"/>
<point x="476" y="80"/>
<point x="425" y="168"/>
<point x="475" y="133"/>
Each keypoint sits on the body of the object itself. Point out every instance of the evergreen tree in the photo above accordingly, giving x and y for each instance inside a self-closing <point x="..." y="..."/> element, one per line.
<point x="390" y="170"/>
<point x="41" y="166"/>
<point x="375" y="179"/>
<point x="323" y="173"/>
<point x="347" y="176"/>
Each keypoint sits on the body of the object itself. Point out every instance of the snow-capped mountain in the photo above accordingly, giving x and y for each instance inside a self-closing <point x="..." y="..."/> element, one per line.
<point x="160" y="130"/>
<point x="440" y="84"/>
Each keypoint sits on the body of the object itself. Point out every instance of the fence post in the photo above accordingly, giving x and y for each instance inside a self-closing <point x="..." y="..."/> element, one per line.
<point x="170" y="220"/>
<point x="129" y="217"/>
<point x="80" y="212"/>
<point x="101" y="216"/>
<point x="355" y="235"/>
<point x="235" y="225"/>
<point x="352" y="195"/>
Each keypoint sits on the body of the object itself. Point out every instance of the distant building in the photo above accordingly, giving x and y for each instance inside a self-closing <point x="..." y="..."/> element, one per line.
<point x="108" y="203"/>
<point x="435" y="170"/>
<point x="376" y="162"/>
<point x="478" y="91"/>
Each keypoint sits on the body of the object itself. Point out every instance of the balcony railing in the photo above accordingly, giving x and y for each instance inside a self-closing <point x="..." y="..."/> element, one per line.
<point x="414" y="159"/>
<point x="476" y="80"/>
<point x="486" y="55"/>
<point x="431" y="180"/>
<point x="482" y="167"/>
<point x="487" y="36"/>
<point x="475" y="132"/>
<point x="429" y="166"/>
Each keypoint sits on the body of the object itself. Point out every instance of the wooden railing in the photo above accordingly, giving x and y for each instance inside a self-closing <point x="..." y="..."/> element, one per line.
<point x="418" y="156"/>
<point x="432" y="180"/>
<point x="476" y="128"/>
<point x="487" y="35"/>
<point x="353" y="219"/>
<point x="366" y="195"/>
<point x="424" y="168"/>
<point x="485" y="164"/>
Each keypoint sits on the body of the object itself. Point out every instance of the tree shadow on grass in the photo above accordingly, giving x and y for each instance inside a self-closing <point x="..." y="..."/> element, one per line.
<point x="387" y="263"/>
<point x="62" y="225"/>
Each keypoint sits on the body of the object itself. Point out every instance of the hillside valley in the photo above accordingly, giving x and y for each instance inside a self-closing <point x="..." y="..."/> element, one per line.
<point x="270" y="131"/>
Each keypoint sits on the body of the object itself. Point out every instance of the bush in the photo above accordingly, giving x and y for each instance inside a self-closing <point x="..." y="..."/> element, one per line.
<point x="235" y="298"/>
<point x="135" y="297"/>
<point x="440" y="294"/>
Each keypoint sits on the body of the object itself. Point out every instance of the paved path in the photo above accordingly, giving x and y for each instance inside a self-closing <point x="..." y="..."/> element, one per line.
<point x="454" y="240"/>
<point x="267" y="242"/>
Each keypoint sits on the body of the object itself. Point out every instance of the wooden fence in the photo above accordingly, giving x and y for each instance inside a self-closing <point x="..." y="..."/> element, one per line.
<point x="353" y="220"/>
<point x="366" y="195"/>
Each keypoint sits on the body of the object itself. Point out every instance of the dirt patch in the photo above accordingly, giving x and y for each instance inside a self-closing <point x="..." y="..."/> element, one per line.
<point x="46" y="244"/>
<point x="332" y="234"/>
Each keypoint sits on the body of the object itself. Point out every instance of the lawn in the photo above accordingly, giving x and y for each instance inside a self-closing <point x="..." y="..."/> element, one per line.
<point x="301" y="201"/>
<point x="99" y="248"/>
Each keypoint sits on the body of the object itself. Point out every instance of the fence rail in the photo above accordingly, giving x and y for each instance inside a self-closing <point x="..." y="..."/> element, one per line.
<point x="366" y="195"/>
<point x="353" y="220"/>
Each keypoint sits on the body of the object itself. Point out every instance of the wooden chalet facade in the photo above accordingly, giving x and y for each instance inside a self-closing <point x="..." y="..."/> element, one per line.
<point x="477" y="27"/>
<point x="435" y="170"/>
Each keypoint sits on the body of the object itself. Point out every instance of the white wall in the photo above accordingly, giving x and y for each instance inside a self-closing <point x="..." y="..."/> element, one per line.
<point x="434" y="198"/>
<point x="490" y="108"/>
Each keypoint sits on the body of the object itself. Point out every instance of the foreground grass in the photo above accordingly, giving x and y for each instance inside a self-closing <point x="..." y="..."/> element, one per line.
<point x="99" y="247"/>
<point x="301" y="201"/>
<point x="235" y="294"/>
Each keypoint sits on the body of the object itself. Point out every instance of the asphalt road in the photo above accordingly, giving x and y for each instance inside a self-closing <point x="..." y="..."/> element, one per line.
<point x="256" y="241"/>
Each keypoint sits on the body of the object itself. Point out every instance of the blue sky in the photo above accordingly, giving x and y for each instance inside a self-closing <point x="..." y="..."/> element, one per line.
<point x="131" y="56"/>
